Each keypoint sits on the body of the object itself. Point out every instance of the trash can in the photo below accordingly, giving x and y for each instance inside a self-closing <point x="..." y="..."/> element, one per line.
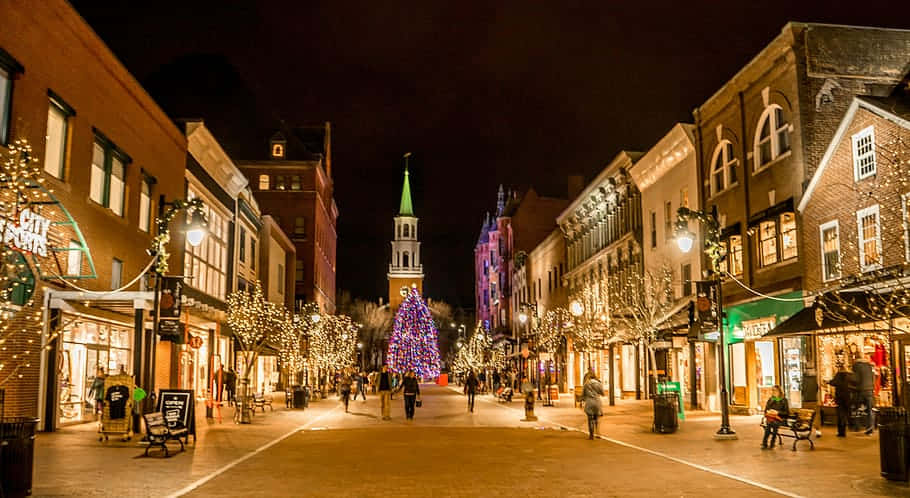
<point x="887" y="415"/>
<point x="665" y="409"/>
<point x="17" y="456"/>
<point x="892" y="450"/>
<point x="300" y="397"/>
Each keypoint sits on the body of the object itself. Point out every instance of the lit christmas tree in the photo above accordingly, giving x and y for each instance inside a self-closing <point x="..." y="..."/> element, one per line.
<point x="414" y="341"/>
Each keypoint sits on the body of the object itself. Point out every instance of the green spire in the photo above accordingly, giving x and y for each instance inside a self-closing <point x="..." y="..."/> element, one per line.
<point x="406" y="209"/>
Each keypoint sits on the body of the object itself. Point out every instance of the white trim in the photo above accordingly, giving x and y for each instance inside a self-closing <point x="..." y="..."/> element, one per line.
<point x="821" y="242"/>
<point x="767" y="114"/>
<point x="726" y="165"/>
<point x="861" y="241"/>
<point x="839" y="135"/>
<point x="867" y="132"/>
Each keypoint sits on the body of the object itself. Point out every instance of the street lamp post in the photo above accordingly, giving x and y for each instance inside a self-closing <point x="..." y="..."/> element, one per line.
<point x="716" y="253"/>
<point x="525" y="319"/>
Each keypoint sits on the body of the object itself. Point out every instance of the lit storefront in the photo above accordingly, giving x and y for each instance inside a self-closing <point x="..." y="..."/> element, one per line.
<point x="87" y="345"/>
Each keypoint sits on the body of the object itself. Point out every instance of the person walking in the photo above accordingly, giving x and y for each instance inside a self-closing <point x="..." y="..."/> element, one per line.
<point x="230" y="383"/>
<point x="345" y="388"/>
<point x="97" y="392"/>
<point x="864" y="376"/>
<point x="361" y="379"/>
<point x="776" y="410"/>
<point x="841" y="384"/>
<point x="411" y="390"/>
<point x="591" y="393"/>
<point x="385" y="392"/>
<point x="470" y="389"/>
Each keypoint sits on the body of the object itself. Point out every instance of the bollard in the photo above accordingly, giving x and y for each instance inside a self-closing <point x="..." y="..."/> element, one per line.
<point x="529" y="407"/>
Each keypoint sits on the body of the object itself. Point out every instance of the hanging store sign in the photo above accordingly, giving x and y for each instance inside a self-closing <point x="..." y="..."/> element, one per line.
<point x="169" y="307"/>
<point x="755" y="329"/>
<point x="29" y="234"/>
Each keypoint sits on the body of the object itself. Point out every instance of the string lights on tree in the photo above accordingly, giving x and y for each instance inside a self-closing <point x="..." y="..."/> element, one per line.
<point x="471" y="356"/>
<point x="413" y="345"/>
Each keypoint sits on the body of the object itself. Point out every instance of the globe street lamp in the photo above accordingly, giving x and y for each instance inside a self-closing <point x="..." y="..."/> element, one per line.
<point x="716" y="254"/>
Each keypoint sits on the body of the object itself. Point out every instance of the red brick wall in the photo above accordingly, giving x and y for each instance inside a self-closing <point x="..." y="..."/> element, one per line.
<point x="837" y="197"/>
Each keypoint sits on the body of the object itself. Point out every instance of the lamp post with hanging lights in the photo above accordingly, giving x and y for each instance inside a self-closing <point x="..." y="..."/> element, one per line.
<point x="716" y="253"/>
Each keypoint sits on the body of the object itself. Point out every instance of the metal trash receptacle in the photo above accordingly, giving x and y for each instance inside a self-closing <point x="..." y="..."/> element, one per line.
<point x="17" y="456"/>
<point x="892" y="449"/>
<point x="665" y="409"/>
<point x="300" y="396"/>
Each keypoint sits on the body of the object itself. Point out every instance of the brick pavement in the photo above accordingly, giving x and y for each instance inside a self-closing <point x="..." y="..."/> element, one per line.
<point x="447" y="451"/>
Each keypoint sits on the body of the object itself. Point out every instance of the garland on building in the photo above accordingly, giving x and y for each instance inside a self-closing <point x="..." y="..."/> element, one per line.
<point x="414" y="345"/>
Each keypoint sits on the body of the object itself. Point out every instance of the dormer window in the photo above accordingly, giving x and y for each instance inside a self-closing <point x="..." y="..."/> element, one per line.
<point x="277" y="146"/>
<point x="278" y="151"/>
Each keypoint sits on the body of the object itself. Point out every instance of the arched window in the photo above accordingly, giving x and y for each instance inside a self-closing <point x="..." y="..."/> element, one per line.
<point x="723" y="167"/>
<point x="405" y="259"/>
<point x="772" y="136"/>
<point x="407" y="230"/>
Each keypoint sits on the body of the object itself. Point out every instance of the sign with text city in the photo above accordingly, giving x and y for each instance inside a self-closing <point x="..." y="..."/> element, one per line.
<point x="28" y="235"/>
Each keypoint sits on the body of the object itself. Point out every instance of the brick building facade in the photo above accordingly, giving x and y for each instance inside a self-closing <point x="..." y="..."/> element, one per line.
<point x="294" y="185"/>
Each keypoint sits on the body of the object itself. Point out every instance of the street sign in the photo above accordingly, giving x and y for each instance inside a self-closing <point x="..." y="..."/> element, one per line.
<point x="706" y="304"/>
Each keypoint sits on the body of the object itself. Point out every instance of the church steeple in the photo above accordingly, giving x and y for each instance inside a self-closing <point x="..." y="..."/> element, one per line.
<point x="405" y="267"/>
<point x="406" y="208"/>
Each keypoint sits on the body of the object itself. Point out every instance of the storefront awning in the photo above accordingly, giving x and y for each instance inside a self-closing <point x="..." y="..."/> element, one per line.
<point x="817" y="320"/>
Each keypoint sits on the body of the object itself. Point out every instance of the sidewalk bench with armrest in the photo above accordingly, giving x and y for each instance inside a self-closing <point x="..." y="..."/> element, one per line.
<point x="799" y="428"/>
<point x="261" y="401"/>
<point x="158" y="433"/>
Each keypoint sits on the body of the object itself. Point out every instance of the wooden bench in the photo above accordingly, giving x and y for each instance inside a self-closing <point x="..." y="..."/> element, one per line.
<point x="261" y="401"/>
<point x="799" y="427"/>
<point x="158" y="433"/>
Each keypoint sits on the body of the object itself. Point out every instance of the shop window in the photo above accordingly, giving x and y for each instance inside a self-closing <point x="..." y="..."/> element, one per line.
<point x="772" y="136"/>
<point x="723" y="167"/>
<point x="145" y="205"/>
<point x="864" y="154"/>
<point x="8" y="70"/>
<point x="116" y="273"/>
<point x="738" y="370"/>
<point x="74" y="259"/>
<point x="242" y="255"/>
<point x="108" y="175"/>
<point x="767" y="245"/>
<point x="263" y="182"/>
<point x="870" y="238"/>
<point x="830" y="241"/>
<point x="58" y="119"/>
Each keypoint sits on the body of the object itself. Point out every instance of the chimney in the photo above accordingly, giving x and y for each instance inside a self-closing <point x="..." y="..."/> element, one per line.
<point x="576" y="185"/>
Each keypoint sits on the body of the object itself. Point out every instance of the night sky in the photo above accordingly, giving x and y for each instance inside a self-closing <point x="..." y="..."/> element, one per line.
<point x="481" y="93"/>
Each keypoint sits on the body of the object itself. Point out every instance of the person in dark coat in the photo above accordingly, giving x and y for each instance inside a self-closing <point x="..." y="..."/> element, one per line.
<point x="841" y="384"/>
<point x="230" y="384"/>
<point x="384" y="381"/>
<point x="864" y="377"/>
<point x="592" y="392"/>
<point x="776" y="410"/>
<point x="411" y="390"/>
<point x="470" y="389"/>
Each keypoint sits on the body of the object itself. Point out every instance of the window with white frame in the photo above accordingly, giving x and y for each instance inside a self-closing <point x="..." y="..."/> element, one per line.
<point x="205" y="264"/>
<point x="788" y="248"/>
<point x="864" y="153"/>
<point x="772" y="136"/>
<point x="145" y="205"/>
<point x="869" y="237"/>
<point x="6" y="97"/>
<point x="108" y="178"/>
<point x="58" y="115"/>
<point x="830" y="245"/>
<point x="723" y="167"/>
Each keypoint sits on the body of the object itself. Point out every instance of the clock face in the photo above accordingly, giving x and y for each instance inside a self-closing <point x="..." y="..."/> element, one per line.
<point x="403" y="291"/>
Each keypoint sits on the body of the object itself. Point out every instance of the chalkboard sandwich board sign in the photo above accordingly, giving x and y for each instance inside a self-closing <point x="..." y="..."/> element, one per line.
<point x="179" y="409"/>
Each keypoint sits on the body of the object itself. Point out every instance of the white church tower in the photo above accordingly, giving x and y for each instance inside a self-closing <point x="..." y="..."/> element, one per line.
<point x="405" y="269"/>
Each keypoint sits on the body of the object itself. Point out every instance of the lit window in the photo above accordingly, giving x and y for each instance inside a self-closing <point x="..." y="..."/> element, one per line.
<point x="205" y="264"/>
<point x="684" y="197"/>
<point x="145" y="205"/>
<point x="723" y="167"/>
<point x="767" y="245"/>
<point x="788" y="236"/>
<point x="55" y="140"/>
<point x="870" y="238"/>
<point x="277" y="150"/>
<point x="772" y="136"/>
<point x="74" y="259"/>
<point x="864" y="153"/>
<point x="279" y="183"/>
<point x="263" y="182"/>
<point x="735" y="255"/>
<point x="299" y="227"/>
<point x="295" y="182"/>
<point x="830" y="241"/>
<point x="108" y="178"/>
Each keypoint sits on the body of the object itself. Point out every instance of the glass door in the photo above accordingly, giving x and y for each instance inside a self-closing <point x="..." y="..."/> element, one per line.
<point x="792" y="363"/>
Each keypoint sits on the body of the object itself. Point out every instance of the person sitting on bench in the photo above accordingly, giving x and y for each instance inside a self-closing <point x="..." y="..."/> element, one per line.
<point x="776" y="410"/>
